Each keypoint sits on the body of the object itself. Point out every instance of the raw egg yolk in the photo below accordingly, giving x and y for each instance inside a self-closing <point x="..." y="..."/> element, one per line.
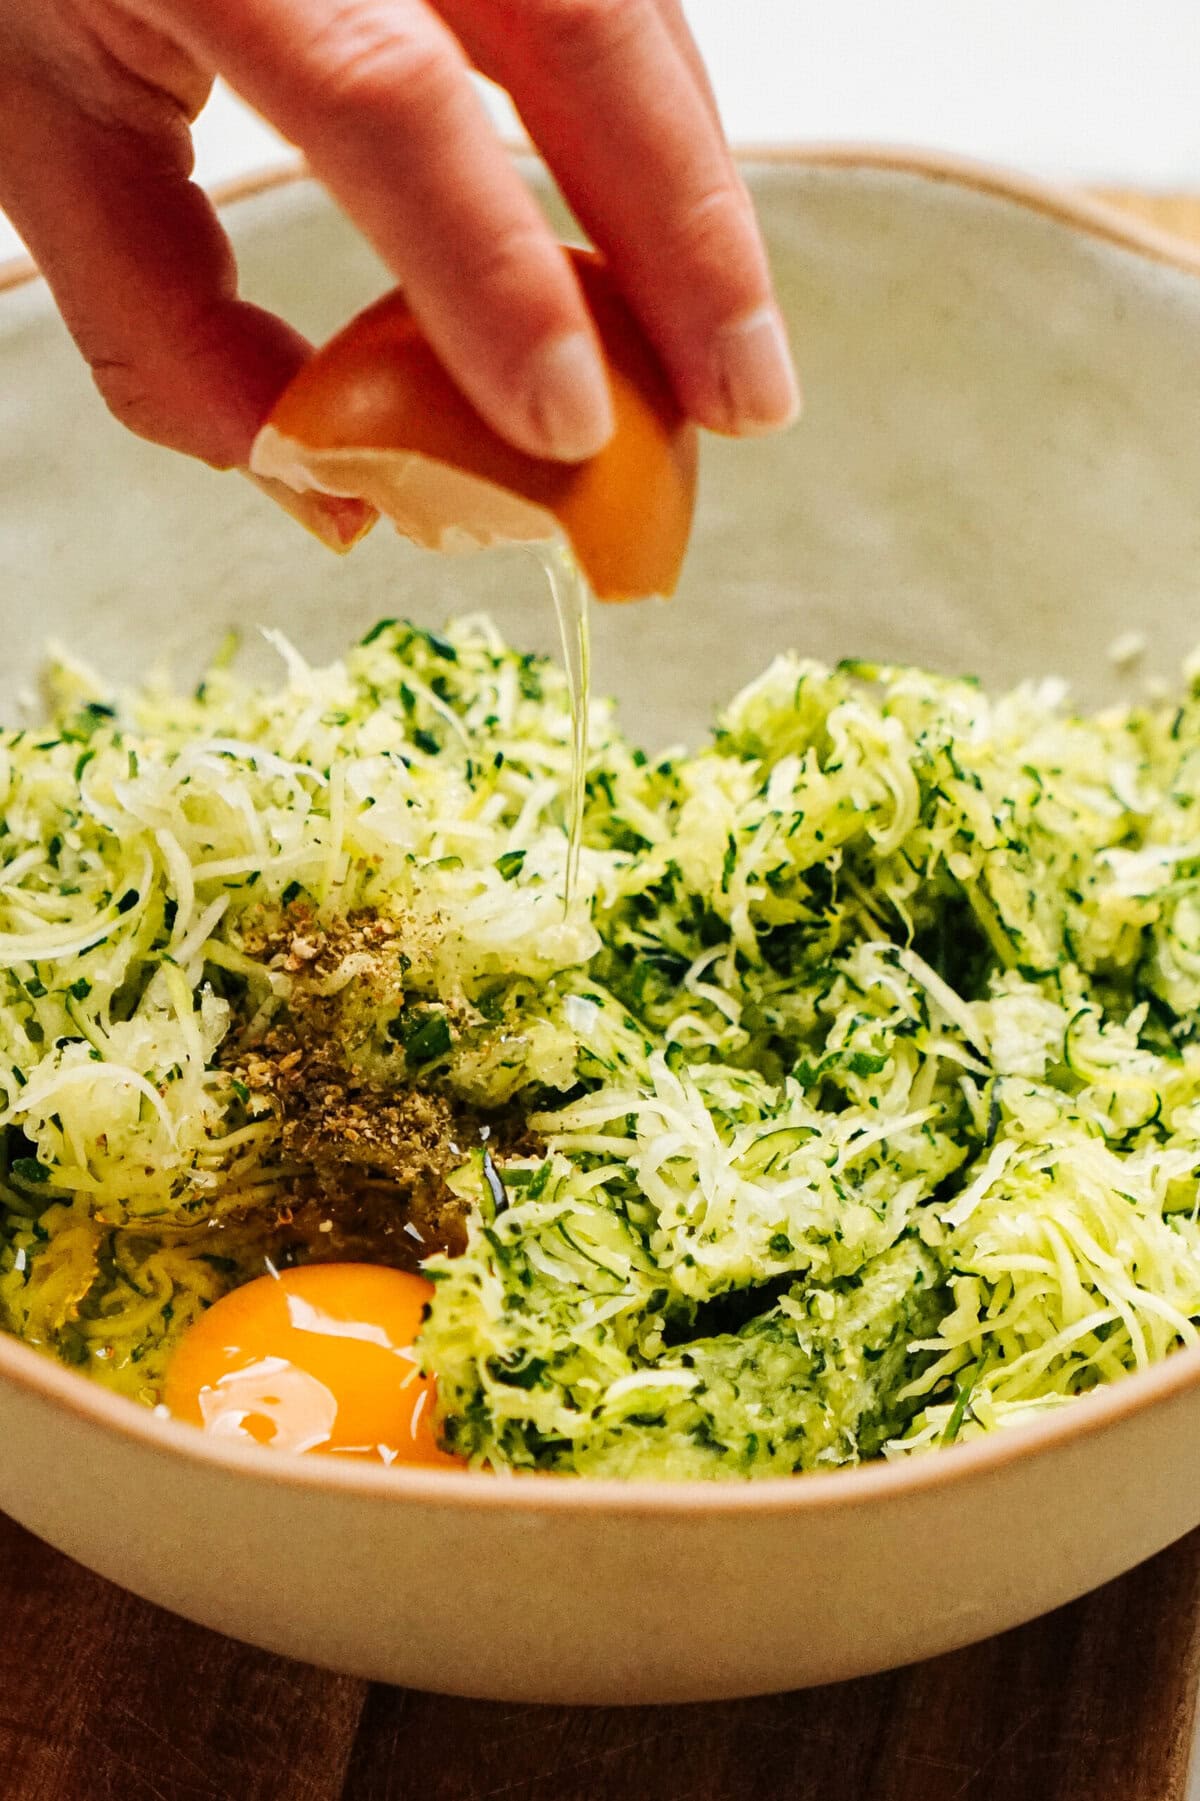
<point x="315" y="1359"/>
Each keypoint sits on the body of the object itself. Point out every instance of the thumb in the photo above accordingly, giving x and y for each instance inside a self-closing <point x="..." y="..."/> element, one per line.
<point x="142" y="271"/>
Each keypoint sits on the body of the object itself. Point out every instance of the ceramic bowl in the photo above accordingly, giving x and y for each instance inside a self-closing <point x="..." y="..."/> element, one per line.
<point x="999" y="471"/>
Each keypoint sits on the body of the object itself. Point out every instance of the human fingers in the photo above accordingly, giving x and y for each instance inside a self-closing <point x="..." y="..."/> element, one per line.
<point x="135" y="256"/>
<point x="609" y="93"/>
<point x="378" y="95"/>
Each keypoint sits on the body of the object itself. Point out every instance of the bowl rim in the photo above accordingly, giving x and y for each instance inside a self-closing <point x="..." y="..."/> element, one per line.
<point x="1081" y="210"/>
<point x="815" y="1493"/>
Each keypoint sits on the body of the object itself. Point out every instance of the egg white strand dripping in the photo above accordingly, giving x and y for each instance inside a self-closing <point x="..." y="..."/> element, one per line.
<point x="570" y="594"/>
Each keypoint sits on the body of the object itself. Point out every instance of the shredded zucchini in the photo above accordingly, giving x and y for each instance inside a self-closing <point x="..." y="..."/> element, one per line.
<point x="852" y="1106"/>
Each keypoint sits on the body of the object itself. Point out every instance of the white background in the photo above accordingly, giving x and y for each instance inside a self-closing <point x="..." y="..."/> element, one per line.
<point x="1099" y="90"/>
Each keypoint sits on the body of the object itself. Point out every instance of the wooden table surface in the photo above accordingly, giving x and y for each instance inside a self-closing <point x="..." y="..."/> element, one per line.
<point x="103" y="1698"/>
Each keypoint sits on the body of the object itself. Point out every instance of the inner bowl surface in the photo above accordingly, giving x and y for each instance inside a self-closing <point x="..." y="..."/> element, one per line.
<point x="997" y="472"/>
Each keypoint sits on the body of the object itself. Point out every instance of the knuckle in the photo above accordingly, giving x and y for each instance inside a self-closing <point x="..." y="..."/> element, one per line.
<point x="367" y="57"/>
<point x="713" y="238"/>
<point x="577" y="30"/>
<point x="506" y="262"/>
<point x="167" y="383"/>
<point x="131" y="399"/>
<point x="522" y="284"/>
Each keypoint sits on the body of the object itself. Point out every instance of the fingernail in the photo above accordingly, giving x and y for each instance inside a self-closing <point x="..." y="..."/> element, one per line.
<point x="571" y="409"/>
<point x="337" y="521"/>
<point x="755" y="376"/>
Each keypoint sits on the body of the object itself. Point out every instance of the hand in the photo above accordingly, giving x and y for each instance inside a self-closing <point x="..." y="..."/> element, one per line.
<point x="96" y="99"/>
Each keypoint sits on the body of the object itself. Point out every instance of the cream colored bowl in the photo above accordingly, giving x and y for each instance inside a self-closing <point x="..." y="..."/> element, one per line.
<point x="998" y="470"/>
